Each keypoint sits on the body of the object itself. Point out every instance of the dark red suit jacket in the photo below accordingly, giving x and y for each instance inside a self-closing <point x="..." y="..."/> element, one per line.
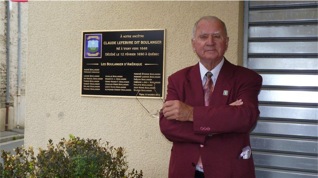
<point x="218" y="132"/>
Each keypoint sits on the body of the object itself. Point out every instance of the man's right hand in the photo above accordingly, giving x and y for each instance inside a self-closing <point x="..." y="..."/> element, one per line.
<point x="237" y="103"/>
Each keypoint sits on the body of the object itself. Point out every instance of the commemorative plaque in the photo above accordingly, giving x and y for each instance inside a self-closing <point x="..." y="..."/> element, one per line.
<point x="123" y="63"/>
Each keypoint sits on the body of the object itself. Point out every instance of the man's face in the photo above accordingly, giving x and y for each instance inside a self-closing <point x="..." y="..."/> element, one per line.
<point x="210" y="40"/>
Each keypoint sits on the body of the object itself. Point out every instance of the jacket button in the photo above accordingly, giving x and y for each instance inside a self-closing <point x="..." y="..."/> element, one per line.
<point x="201" y="146"/>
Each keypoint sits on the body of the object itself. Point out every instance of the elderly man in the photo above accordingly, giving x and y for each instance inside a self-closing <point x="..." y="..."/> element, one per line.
<point x="210" y="110"/>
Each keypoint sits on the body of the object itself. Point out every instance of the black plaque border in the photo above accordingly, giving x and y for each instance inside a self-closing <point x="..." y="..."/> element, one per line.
<point x="162" y="93"/>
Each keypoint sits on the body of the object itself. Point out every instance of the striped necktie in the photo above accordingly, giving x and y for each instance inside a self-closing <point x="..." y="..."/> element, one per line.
<point x="208" y="88"/>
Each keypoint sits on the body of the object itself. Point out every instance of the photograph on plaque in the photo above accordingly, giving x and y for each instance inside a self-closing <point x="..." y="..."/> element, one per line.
<point x="123" y="63"/>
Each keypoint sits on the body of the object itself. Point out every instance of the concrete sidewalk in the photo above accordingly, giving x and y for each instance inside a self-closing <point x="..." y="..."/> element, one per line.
<point x="14" y="134"/>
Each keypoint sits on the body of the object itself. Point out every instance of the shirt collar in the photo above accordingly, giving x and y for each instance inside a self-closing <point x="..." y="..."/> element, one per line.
<point x="215" y="71"/>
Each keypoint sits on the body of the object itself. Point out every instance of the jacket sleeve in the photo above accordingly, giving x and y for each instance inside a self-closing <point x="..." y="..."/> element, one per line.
<point x="217" y="119"/>
<point x="177" y="131"/>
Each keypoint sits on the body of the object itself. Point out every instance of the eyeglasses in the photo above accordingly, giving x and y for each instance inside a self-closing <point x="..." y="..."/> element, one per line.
<point x="155" y="114"/>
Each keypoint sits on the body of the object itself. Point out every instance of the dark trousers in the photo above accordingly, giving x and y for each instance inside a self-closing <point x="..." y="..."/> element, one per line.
<point x="198" y="174"/>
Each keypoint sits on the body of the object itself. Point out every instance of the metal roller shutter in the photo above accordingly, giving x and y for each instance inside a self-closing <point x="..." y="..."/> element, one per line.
<point x="281" y="44"/>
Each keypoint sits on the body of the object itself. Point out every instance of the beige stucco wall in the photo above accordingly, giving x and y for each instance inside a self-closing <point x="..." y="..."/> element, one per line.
<point x="55" y="108"/>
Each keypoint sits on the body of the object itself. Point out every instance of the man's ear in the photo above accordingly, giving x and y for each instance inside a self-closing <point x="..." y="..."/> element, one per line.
<point x="192" y="42"/>
<point x="227" y="42"/>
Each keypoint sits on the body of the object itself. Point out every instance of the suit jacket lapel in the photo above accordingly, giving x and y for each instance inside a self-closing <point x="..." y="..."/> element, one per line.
<point x="223" y="87"/>
<point x="193" y="88"/>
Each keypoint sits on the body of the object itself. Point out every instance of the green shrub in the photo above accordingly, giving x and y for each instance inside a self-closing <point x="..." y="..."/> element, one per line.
<point x="73" y="158"/>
